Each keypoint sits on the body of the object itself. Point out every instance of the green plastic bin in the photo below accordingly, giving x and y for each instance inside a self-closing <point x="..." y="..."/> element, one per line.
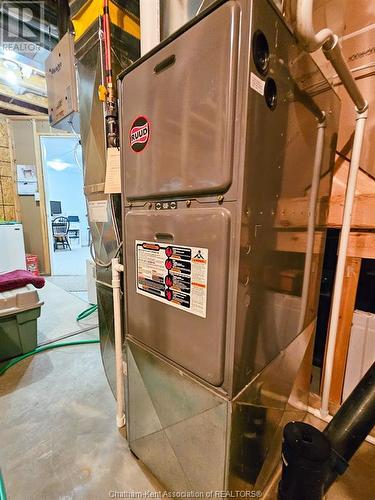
<point x="19" y="311"/>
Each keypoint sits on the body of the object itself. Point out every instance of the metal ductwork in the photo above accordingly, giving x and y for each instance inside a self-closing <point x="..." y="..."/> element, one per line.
<point x="63" y="17"/>
<point x="106" y="230"/>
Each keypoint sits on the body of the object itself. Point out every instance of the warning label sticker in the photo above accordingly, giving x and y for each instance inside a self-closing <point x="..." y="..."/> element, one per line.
<point x="175" y="275"/>
<point x="257" y="83"/>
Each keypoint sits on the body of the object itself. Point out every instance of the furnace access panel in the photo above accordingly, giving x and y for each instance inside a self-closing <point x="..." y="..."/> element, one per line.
<point x="177" y="258"/>
<point x="190" y="147"/>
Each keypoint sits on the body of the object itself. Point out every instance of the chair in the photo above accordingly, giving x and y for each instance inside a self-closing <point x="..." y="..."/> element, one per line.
<point x="60" y="230"/>
<point x="74" y="228"/>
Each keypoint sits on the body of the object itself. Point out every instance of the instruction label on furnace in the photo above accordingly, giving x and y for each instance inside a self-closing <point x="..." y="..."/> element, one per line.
<point x="175" y="275"/>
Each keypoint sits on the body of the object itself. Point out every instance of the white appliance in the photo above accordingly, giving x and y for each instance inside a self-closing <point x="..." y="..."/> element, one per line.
<point x="12" y="247"/>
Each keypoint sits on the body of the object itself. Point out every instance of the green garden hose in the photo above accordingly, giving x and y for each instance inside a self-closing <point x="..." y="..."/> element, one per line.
<point x="87" y="312"/>
<point x="16" y="360"/>
<point x="3" y="494"/>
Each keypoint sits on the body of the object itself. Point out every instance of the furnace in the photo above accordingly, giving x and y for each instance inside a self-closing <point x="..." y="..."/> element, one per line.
<point x="226" y="126"/>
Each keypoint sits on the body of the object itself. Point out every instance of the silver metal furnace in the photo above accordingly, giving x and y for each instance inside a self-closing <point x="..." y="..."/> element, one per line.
<point x="228" y="138"/>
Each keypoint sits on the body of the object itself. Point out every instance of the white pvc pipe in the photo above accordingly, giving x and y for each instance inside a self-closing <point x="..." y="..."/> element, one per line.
<point x="117" y="268"/>
<point x="311" y="40"/>
<point x="149" y="16"/>
<point x="341" y="260"/>
<point x="334" y="54"/>
<point x="319" y="150"/>
<point x="331" y="48"/>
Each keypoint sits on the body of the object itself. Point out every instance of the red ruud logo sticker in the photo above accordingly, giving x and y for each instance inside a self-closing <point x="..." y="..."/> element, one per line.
<point x="139" y="134"/>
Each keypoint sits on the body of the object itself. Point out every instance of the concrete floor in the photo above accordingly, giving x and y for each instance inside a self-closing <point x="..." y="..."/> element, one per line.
<point x="58" y="315"/>
<point x="58" y="434"/>
<point x="70" y="262"/>
<point x="359" y="480"/>
<point x="58" y="437"/>
<point x="75" y="284"/>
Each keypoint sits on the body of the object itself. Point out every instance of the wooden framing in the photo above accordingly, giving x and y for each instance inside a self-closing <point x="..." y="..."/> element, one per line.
<point x="42" y="194"/>
<point x="14" y="171"/>
<point x="290" y="228"/>
<point x="362" y="245"/>
<point x="352" y="270"/>
<point x="363" y="211"/>
<point x="296" y="241"/>
<point x="292" y="212"/>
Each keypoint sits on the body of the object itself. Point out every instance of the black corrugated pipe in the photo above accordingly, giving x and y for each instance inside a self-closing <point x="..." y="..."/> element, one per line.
<point x="306" y="456"/>
<point x="312" y="459"/>
<point x="351" y="424"/>
<point x="63" y="17"/>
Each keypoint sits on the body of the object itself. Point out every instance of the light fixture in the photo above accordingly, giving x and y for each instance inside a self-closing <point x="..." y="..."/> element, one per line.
<point x="11" y="65"/>
<point x="58" y="164"/>
<point x="9" y="53"/>
<point x="11" y="77"/>
<point x="26" y="71"/>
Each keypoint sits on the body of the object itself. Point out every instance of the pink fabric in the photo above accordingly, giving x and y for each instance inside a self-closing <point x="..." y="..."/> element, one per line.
<point x="18" y="279"/>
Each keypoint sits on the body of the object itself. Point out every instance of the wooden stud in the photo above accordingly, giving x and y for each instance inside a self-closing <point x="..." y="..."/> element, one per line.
<point x="12" y="155"/>
<point x="43" y="208"/>
<point x="296" y="241"/>
<point x="293" y="212"/>
<point x="363" y="211"/>
<point x="362" y="245"/>
<point x="349" y="293"/>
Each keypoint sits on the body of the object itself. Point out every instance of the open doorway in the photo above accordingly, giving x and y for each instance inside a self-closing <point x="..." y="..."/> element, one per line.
<point x="68" y="231"/>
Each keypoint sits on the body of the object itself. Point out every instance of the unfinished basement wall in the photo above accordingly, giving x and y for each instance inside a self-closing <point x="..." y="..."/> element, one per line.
<point x="8" y="202"/>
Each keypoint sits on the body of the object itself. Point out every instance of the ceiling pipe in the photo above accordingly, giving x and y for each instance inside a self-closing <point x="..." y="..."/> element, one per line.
<point x="149" y="14"/>
<point x="63" y="17"/>
<point x="329" y="42"/>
